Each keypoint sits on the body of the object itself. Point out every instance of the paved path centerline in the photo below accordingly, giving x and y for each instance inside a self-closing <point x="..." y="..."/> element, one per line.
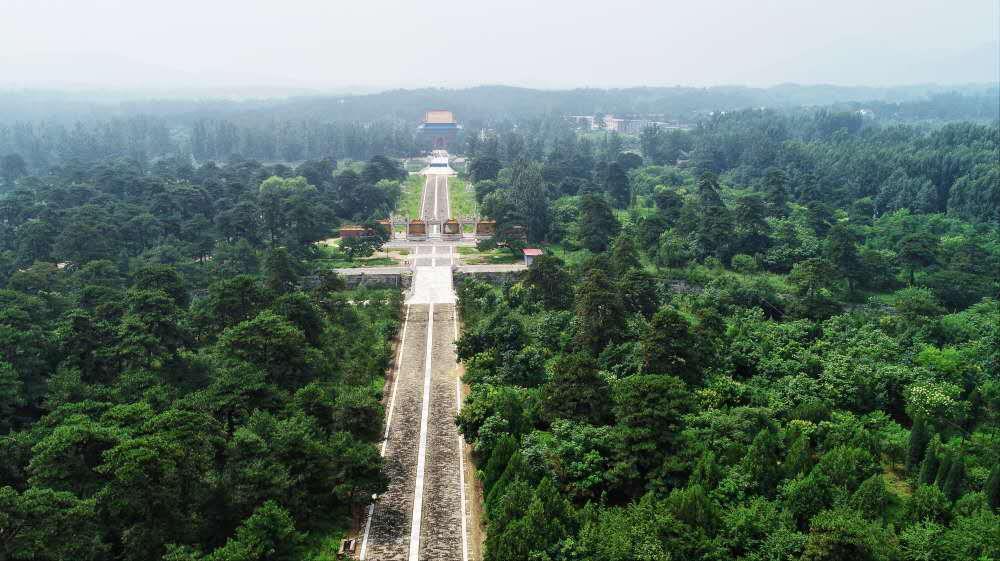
<point x="418" y="491"/>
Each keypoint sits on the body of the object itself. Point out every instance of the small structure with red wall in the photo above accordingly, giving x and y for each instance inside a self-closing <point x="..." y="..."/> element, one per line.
<point x="486" y="229"/>
<point x="451" y="229"/>
<point x="353" y="232"/>
<point x="416" y="230"/>
<point x="530" y="253"/>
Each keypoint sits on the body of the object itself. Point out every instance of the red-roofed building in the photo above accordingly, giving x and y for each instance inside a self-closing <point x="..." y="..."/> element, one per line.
<point x="530" y="253"/>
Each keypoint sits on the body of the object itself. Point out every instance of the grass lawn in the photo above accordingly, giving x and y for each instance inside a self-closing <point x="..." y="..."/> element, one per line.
<point x="327" y="264"/>
<point x="414" y="164"/>
<point x="334" y="258"/>
<point x="409" y="201"/>
<point x="472" y="256"/>
<point x="463" y="200"/>
<point x="344" y="263"/>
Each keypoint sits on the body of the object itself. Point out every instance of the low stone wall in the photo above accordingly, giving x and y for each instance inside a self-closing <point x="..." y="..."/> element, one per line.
<point x="402" y="278"/>
<point x="387" y="277"/>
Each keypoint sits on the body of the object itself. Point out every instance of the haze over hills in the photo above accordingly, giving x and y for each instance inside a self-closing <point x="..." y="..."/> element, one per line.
<point x="478" y="103"/>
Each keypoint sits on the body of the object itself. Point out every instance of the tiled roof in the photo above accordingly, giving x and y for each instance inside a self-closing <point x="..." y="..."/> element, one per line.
<point x="438" y="117"/>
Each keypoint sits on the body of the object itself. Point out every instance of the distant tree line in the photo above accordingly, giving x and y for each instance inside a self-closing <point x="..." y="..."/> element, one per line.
<point x="37" y="147"/>
<point x="359" y="127"/>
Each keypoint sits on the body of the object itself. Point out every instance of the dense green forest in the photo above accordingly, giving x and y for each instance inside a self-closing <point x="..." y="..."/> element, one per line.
<point x="785" y="347"/>
<point x="773" y="336"/>
<point x="180" y="378"/>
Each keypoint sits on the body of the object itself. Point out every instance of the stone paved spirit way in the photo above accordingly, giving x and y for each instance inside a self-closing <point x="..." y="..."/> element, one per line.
<point x="423" y="515"/>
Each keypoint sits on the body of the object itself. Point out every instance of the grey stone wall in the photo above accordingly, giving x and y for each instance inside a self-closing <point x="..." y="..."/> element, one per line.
<point x="400" y="280"/>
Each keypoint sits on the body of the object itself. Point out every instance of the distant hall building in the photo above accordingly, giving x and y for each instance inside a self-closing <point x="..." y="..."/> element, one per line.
<point x="439" y="129"/>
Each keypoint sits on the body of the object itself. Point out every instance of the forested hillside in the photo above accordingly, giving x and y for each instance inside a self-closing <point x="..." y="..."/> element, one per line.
<point x="44" y="130"/>
<point x="179" y="377"/>
<point x="785" y="347"/>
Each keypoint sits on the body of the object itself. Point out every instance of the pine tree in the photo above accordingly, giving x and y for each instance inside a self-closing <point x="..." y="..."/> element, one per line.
<point x="993" y="488"/>
<point x="800" y="456"/>
<point x="513" y="475"/>
<point x="693" y="507"/>
<point x="714" y="230"/>
<point x="707" y="473"/>
<point x="943" y="469"/>
<point x="576" y="391"/>
<point x="617" y="185"/>
<point x="752" y="229"/>
<point x="497" y="463"/>
<point x="528" y="192"/>
<point x="600" y="312"/>
<point x="955" y="480"/>
<point x="282" y="271"/>
<point x="917" y="250"/>
<point x="774" y="187"/>
<point x="597" y="223"/>
<point x="624" y="255"/>
<point x="505" y="539"/>
<point x="549" y="518"/>
<point x="919" y="437"/>
<point x="648" y="410"/>
<point x="548" y="276"/>
<point x="872" y="497"/>
<point x="843" y="253"/>
<point x="762" y="461"/>
<point x="929" y="467"/>
<point x="669" y="347"/>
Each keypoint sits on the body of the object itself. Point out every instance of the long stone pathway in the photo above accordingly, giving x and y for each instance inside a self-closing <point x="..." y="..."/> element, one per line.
<point x="424" y="514"/>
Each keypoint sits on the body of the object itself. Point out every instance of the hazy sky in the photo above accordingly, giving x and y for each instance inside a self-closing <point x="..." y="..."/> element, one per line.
<point x="328" y="44"/>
